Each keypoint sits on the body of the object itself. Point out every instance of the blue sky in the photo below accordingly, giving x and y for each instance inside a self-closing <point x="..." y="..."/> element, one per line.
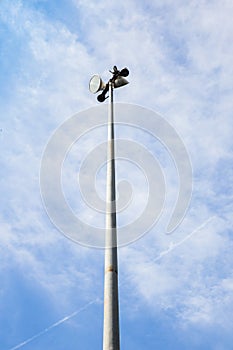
<point x="175" y="290"/>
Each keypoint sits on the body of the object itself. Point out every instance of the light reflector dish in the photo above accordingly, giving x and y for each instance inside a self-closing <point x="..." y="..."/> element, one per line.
<point x="96" y="84"/>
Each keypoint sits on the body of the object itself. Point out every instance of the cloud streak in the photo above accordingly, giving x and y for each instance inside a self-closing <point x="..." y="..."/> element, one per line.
<point x="180" y="60"/>
<point x="73" y="314"/>
<point x="54" y="325"/>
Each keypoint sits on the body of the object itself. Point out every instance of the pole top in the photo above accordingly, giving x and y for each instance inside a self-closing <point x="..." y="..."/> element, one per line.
<point x="117" y="80"/>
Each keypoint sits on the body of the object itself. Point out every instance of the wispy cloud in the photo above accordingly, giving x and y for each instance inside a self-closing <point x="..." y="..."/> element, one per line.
<point x="180" y="59"/>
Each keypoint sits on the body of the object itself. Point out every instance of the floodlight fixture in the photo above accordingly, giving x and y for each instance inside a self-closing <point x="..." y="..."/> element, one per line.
<point x="96" y="84"/>
<point x="118" y="79"/>
<point x="124" y="72"/>
<point x="101" y="97"/>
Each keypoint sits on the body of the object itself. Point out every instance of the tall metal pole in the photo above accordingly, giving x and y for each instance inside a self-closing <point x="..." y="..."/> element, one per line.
<point x="111" y="339"/>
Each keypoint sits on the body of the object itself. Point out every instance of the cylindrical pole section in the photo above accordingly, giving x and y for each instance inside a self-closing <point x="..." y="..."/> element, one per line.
<point x="111" y="339"/>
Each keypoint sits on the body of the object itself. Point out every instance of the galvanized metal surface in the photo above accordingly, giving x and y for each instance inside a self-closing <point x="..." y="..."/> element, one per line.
<point x="111" y="338"/>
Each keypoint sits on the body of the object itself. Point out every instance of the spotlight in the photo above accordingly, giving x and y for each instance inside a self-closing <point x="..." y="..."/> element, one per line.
<point x="118" y="79"/>
<point x="96" y="84"/>
<point x="101" y="97"/>
<point x="124" y="72"/>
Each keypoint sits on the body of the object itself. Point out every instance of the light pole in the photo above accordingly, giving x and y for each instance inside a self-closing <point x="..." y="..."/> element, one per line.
<point x="111" y="338"/>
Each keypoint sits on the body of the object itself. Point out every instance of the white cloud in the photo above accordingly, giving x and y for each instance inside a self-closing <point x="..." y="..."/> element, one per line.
<point x="190" y="278"/>
<point x="180" y="63"/>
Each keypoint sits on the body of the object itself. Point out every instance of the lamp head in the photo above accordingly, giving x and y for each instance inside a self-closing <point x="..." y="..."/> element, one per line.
<point x="124" y="72"/>
<point x="120" y="81"/>
<point x="96" y="84"/>
<point x="101" y="97"/>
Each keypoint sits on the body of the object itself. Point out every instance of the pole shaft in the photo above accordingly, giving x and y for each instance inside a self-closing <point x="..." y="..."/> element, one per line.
<point x="111" y="305"/>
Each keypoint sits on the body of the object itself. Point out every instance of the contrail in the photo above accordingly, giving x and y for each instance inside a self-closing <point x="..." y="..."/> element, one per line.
<point x="165" y="252"/>
<point x="29" y="340"/>
<point x="174" y="245"/>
